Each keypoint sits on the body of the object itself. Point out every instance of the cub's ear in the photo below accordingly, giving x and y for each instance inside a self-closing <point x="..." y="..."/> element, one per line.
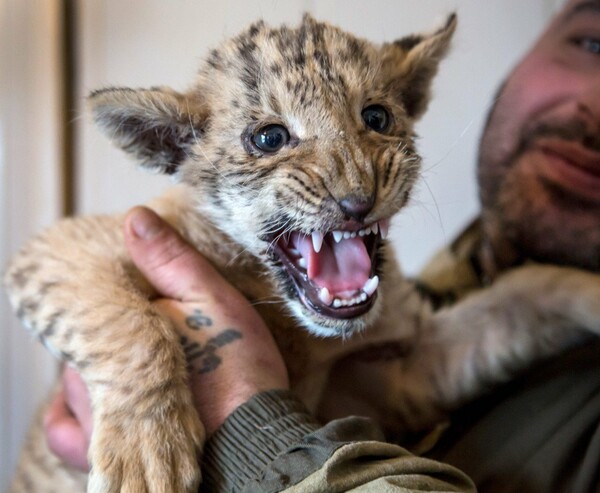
<point x="410" y="64"/>
<point x="157" y="126"/>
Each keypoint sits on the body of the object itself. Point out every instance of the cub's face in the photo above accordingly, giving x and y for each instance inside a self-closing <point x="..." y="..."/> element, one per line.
<point x="300" y="145"/>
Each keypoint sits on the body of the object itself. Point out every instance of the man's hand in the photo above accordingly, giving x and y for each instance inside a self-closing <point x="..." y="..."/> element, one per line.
<point x="68" y="421"/>
<point x="230" y="352"/>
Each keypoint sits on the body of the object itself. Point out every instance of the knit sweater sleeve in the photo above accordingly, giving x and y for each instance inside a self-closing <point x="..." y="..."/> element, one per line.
<point x="273" y="444"/>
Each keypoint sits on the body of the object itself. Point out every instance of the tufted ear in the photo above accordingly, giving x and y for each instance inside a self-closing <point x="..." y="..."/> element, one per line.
<point x="411" y="63"/>
<point x="157" y="126"/>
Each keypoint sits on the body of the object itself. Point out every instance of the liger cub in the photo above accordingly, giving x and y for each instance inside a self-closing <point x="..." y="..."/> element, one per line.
<point x="293" y="149"/>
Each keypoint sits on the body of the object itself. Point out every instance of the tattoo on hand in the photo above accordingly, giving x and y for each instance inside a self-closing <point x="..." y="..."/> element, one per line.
<point x="197" y="320"/>
<point x="207" y="355"/>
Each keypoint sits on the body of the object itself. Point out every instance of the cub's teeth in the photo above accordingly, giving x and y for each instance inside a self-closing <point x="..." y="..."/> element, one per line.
<point x="346" y="235"/>
<point x="317" y="241"/>
<point x="325" y="296"/>
<point x="384" y="228"/>
<point x="371" y="285"/>
<point x="301" y="262"/>
<point x="340" y="302"/>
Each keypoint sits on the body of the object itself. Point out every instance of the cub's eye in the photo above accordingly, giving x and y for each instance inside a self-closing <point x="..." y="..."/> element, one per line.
<point x="376" y="117"/>
<point x="270" y="138"/>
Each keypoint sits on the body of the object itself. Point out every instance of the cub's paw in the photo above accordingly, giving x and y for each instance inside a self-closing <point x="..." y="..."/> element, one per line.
<point x="154" y="453"/>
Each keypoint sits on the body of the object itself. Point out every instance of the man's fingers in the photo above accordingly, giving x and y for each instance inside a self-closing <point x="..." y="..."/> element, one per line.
<point x="64" y="433"/>
<point x="171" y="265"/>
<point x="77" y="399"/>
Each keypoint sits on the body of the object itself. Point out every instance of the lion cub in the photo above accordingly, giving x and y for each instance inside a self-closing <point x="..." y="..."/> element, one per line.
<point x="293" y="148"/>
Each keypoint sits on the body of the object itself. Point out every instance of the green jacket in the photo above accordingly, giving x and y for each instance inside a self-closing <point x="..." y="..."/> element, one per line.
<point x="272" y="444"/>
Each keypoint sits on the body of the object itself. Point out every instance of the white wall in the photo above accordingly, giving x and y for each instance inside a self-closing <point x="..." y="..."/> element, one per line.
<point x="29" y="195"/>
<point x="151" y="42"/>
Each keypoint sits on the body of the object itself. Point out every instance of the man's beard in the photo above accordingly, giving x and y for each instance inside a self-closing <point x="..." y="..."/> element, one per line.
<point x="562" y="228"/>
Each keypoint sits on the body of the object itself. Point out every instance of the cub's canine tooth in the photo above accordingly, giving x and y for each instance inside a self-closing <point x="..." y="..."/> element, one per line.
<point x="325" y="296"/>
<point x="384" y="226"/>
<point x="371" y="285"/>
<point x="317" y="241"/>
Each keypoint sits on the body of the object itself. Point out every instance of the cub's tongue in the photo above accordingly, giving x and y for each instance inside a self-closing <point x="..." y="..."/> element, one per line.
<point x="339" y="267"/>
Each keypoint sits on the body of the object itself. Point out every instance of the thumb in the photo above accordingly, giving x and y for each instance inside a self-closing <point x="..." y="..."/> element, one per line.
<point x="167" y="261"/>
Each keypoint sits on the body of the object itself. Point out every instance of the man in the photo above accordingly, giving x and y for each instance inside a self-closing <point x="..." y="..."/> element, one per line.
<point x="539" y="174"/>
<point x="539" y="178"/>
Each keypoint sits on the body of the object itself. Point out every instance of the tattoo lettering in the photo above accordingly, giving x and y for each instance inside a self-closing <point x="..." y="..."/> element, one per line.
<point x="207" y="354"/>
<point x="197" y="320"/>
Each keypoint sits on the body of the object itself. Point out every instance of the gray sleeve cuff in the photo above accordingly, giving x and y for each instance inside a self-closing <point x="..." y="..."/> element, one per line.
<point x="252" y="437"/>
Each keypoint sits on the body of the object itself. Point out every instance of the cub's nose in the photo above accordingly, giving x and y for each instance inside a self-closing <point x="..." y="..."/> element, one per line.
<point x="356" y="206"/>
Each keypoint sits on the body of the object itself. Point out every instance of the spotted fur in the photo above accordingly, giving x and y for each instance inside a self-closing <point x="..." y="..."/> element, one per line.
<point x="75" y="288"/>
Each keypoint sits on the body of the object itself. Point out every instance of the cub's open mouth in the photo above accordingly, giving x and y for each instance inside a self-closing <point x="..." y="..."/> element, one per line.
<point x="334" y="272"/>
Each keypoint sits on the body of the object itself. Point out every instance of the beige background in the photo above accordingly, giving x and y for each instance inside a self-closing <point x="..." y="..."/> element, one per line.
<point x="151" y="42"/>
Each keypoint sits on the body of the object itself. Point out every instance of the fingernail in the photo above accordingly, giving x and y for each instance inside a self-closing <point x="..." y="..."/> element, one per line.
<point x="144" y="224"/>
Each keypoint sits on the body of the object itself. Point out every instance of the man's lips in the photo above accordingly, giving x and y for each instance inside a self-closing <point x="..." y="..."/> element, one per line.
<point x="571" y="166"/>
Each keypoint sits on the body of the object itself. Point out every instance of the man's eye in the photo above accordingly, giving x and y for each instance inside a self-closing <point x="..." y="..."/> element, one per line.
<point x="589" y="44"/>
<point x="592" y="45"/>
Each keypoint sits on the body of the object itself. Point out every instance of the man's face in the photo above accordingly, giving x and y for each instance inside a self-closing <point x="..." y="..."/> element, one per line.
<point x="539" y="166"/>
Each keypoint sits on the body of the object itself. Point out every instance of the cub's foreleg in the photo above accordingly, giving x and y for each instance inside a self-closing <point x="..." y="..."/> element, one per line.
<point x="529" y="313"/>
<point x="74" y="288"/>
<point x="532" y="312"/>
